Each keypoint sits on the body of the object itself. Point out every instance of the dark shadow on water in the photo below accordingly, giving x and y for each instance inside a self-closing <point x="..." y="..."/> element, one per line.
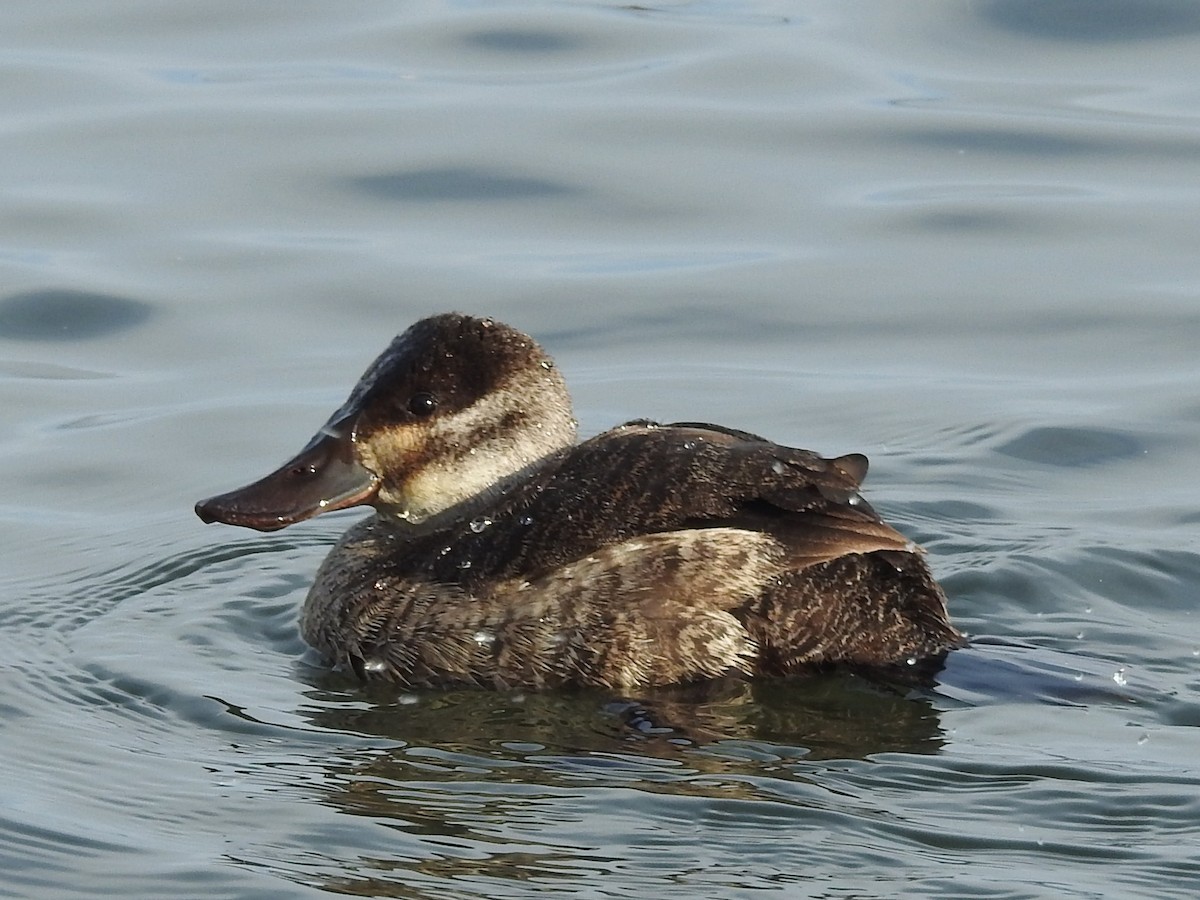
<point x="56" y="314"/>
<point x="1095" y="20"/>
<point x="456" y="184"/>
<point x="1072" y="447"/>
<point x="522" y="41"/>
<point x="1000" y="671"/>
<point x="967" y="222"/>
<point x="652" y="326"/>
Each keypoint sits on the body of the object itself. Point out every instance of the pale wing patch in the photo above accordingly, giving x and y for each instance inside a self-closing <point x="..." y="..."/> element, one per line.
<point x="655" y="609"/>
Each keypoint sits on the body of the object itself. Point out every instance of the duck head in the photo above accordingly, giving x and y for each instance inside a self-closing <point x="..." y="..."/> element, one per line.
<point x="451" y="411"/>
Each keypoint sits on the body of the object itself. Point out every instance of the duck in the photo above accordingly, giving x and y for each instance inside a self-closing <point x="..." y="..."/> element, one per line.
<point x="505" y="553"/>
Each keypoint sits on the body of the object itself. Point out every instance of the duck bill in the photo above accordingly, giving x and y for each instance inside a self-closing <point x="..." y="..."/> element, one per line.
<point x="324" y="476"/>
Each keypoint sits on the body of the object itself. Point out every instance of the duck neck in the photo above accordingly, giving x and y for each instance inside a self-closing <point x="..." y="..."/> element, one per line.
<point x="439" y="499"/>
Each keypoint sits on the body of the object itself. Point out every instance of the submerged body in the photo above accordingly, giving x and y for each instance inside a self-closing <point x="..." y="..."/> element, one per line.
<point x="506" y="555"/>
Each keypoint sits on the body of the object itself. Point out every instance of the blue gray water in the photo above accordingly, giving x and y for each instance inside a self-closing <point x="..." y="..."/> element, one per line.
<point x="958" y="237"/>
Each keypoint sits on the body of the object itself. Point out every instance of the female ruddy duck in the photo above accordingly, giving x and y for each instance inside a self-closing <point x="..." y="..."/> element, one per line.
<point x="504" y="554"/>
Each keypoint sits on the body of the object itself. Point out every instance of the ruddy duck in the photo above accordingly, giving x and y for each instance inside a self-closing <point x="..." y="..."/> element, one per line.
<point x="503" y="553"/>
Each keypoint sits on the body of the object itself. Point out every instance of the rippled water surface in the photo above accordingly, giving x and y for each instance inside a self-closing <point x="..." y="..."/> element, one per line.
<point x="958" y="237"/>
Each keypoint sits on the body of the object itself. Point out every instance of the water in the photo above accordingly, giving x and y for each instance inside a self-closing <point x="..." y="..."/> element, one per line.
<point x="957" y="237"/>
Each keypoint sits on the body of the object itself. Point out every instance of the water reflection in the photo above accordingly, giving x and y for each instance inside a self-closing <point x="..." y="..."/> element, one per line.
<point x="1095" y="20"/>
<point x="54" y="314"/>
<point x="523" y="41"/>
<point x="451" y="183"/>
<point x="512" y="789"/>
<point x="835" y="715"/>
<point x="1073" y="447"/>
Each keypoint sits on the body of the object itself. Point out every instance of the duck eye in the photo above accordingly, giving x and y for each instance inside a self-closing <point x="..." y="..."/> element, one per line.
<point x="422" y="404"/>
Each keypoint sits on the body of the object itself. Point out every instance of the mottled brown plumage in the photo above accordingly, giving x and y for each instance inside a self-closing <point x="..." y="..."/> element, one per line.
<point x="504" y="554"/>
